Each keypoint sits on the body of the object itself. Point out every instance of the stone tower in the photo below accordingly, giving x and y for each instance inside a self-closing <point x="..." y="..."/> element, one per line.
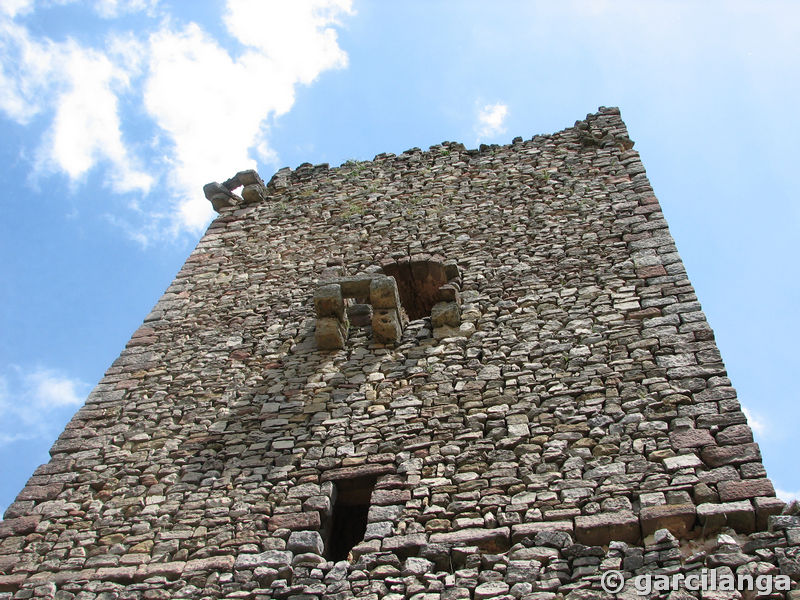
<point x="451" y="374"/>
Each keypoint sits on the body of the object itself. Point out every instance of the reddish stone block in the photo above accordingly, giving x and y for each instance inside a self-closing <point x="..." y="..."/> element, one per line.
<point x="744" y="489"/>
<point x="717" y="456"/>
<point x="523" y="530"/>
<point x="487" y="539"/>
<point x="691" y="438"/>
<point x="765" y="508"/>
<point x="602" y="528"/>
<point x="19" y="526"/>
<point x="39" y="493"/>
<point x="736" y="434"/>
<point x="678" y="518"/>
<point x="295" y="521"/>
<point x="651" y="271"/>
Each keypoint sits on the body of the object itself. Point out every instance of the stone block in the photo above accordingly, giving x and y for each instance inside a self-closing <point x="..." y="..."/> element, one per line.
<point x="744" y="489"/>
<point x="386" y="328"/>
<point x="765" y="508"/>
<point x="678" y="518"/>
<point x="328" y="302"/>
<point x="716" y="456"/>
<point x="446" y="313"/>
<point x="360" y="315"/>
<point x="255" y="193"/>
<point x="330" y="334"/>
<point x="602" y="528"/>
<point x="383" y="293"/>
<point x="691" y="438"/>
<point x="532" y="530"/>
<point x="295" y="521"/>
<point x="302" y="542"/>
<point x="449" y="293"/>
<point x="735" y="434"/>
<point x="489" y="540"/>
<point x="249" y="177"/>
<point x="276" y="559"/>
<point x="740" y="516"/>
<point x="358" y="286"/>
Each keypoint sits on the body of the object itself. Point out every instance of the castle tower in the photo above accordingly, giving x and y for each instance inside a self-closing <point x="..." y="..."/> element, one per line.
<point x="443" y="375"/>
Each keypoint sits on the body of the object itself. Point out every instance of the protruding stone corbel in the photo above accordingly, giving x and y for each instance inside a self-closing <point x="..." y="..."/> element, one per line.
<point x="387" y="325"/>
<point x="332" y="323"/>
<point x="220" y="196"/>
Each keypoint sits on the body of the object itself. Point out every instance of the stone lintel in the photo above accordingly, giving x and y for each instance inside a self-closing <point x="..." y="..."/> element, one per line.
<point x="678" y="518"/>
<point x="602" y="528"/>
<point x="358" y="471"/>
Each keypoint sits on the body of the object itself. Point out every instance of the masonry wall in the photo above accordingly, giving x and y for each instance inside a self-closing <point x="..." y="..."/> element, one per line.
<point x="580" y="419"/>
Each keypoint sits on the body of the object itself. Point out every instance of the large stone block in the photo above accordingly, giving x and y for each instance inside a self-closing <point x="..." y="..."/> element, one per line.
<point x="301" y="542"/>
<point x="717" y="456"/>
<point x="328" y="301"/>
<point x="739" y="516"/>
<point x="602" y="528"/>
<point x="386" y="328"/>
<point x="330" y="334"/>
<point x="678" y="518"/>
<point x="446" y="313"/>
<point x="383" y="293"/>
<point x="744" y="489"/>
<point x="494" y="540"/>
<point x="691" y="438"/>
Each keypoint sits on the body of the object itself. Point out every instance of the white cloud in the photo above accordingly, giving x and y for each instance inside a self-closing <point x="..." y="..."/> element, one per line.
<point x="33" y="404"/>
<point x="80" y="85"/>
<point x="12" y="8"/>
<point x="491" y="120"/>
<point x="757" y="424"/>
<point x="787" y="496"/>
<point x="215" y="107"/>
<point x="212" y="106"/>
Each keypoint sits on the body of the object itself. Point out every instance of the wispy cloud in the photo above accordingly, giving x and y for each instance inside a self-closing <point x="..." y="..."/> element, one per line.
<point x="210" y="107"/>
<point x="756" y="422"/>
<point x="491" y="120"/>
<point x="34" y="403"/>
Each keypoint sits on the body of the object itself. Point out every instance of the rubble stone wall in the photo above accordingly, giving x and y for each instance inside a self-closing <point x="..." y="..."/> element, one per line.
<point x="578" y="420"/>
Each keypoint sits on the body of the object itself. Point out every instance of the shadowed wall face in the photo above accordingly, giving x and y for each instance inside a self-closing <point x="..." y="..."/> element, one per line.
<point x="418" y="283"/>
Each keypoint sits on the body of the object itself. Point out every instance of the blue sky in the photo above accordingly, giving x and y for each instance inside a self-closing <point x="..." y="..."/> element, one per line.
<point x="114" y="113"/>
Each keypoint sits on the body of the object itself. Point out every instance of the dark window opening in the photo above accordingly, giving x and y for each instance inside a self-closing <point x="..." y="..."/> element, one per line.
<point x="418" y="283"/>
<point x="349" y="519"/>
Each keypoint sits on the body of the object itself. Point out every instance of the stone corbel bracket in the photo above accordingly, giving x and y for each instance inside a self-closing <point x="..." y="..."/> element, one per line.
<point x="331" y="302"/>
<point x="221" y="195"/>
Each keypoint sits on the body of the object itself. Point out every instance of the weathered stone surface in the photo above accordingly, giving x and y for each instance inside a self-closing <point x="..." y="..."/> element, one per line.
<point x="679" y="519"/>
<point x="328" y="301"/>
<point x="602" y="528"/>
<point x="305" y="541"/>
<point x="295" y="521"/>
<point x="691" y="438"/>
<point x="445" y="313"/>
<point x="330" y="334"/>
<point x="487" y="539"/>
<point x="743" y="489"/>
<point x="580" y="393"/>
<point x="386" y="326"/>
<point x="739" y="516"/>
<point x="383" y="293"/>
<point x="715" y="456"/>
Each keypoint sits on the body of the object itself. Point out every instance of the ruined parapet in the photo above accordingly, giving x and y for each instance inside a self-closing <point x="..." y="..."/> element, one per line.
<point x="221" y="194"/>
